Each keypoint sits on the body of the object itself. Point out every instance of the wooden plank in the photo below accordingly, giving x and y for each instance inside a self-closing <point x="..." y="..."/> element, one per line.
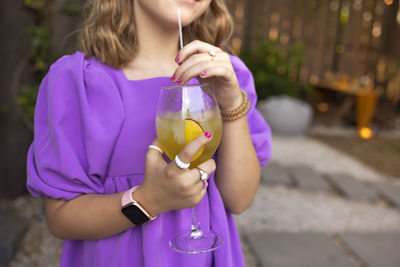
<point x="316" y="23"/>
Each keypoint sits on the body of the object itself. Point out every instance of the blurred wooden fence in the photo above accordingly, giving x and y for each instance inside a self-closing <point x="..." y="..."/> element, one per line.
<point x="352" y="37"/>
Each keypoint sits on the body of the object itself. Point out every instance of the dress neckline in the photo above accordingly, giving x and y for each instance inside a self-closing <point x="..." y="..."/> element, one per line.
<point x="165" y="79"/>
<point x="123" y="76"/>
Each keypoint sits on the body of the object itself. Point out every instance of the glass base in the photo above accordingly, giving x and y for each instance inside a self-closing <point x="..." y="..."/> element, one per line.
<point x="185" y="243"/>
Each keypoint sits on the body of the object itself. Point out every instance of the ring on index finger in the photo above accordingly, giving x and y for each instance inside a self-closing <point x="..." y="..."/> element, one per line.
<point x="156" y="148"/>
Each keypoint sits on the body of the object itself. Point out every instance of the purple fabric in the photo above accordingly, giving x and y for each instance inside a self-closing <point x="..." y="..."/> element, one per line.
<point x="92" y="130"/>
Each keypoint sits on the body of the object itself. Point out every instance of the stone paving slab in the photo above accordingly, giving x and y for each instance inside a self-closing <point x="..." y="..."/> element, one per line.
<point x="390" y="192"/>
<point x="12" y="229"/>
<point x="274" y="173"/>
<point x="296" y="250"/>
<point x="352" y="188"/>
<point x="307" y="179"/>
<point x="375" y="249"/>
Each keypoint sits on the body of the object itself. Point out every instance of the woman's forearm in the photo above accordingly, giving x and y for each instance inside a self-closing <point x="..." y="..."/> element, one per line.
<point x="238" y="170"/>
<point x="90" y="216"/>
<point x="165" y="187"/>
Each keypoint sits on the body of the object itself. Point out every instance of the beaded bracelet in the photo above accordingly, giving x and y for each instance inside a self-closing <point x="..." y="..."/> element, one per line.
<point x="237" y="113"/>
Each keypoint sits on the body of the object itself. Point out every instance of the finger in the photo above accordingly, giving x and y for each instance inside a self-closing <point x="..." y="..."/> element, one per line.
<point x="191" y="61"/>
<point x="200" y="58"/>
<point x="222" y="70"/>
<point x="201" y="69"/>
<point x="197" y="193"/>
<point x="195" y="47"/>
<point x="207" y="166"/>
<point x="188" y="152"/>
<point x="156" y="145"/>
<point x="193" y="177"/>
<point x="202" y="189"/>
<point x="153" y="155"/>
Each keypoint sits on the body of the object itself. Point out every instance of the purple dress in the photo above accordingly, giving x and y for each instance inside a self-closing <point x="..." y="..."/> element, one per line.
<point x="92" y="130"/>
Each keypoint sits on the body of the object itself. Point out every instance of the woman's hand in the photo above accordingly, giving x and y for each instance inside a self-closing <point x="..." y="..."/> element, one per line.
<point x="196" y="60"/>
<point x="167" y="187"/>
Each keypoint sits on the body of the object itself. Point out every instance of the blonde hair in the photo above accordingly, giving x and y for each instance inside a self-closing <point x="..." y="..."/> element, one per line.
<point x="109" y="35"/>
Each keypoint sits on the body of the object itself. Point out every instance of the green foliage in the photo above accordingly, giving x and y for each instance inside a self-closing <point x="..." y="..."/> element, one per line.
<point x="39" y="38"/>
<point x="40" y="46"/>
<point x="37" y="5"/>
<point x="276" y="68"/>
<point x="4" y="108"/>
<point x="70" y="7"/>
<point x="27" y="100"/>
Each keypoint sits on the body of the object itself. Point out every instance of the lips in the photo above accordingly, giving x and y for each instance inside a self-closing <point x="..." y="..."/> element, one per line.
<point x="191" y="1"/>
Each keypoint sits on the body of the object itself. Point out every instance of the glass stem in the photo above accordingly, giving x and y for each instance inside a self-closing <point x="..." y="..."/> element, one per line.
<point x="195" y="229"/>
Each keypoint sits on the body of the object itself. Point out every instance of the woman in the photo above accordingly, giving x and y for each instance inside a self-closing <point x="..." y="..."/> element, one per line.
<point x="94" y="122"/>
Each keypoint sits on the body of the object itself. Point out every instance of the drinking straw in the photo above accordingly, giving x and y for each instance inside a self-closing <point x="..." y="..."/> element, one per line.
<point x="180" y="28"/>
<point x="185" y="94"/>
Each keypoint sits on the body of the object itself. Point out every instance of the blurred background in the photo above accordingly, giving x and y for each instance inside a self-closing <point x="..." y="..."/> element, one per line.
<point x="327" y="74"/>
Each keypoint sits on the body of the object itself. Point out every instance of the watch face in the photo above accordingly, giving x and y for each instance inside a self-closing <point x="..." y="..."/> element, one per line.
<point x="135" y="214"/>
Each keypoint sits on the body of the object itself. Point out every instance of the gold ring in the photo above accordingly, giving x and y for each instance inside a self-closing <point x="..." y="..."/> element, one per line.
<point x="212" y="54"/>
<point x="156" y="148"/>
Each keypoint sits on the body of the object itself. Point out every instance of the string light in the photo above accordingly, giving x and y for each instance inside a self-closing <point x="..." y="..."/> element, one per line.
<point x="376" y="29"/>
<point x="273" y="33"/>
<point x="388" y="2"/>
<point x="357" y="5"/>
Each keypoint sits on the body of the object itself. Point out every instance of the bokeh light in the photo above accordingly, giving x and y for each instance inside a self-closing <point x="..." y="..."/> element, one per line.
<point x="377" y="29"/>
<point x="273" y="33"/>
<point x="323" y="107"/>
<point x="365" y="132"/>
<point x="388" y="2"/>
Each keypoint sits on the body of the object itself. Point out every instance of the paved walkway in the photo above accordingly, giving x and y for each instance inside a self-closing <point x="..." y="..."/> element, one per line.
<point x="319" y="207"/>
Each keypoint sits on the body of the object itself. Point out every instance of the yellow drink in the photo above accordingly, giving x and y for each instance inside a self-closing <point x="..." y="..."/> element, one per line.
<point x="171" y="133"/>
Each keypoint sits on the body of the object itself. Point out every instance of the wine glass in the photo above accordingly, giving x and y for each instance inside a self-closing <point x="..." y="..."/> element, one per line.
<point x="184" y="112"/>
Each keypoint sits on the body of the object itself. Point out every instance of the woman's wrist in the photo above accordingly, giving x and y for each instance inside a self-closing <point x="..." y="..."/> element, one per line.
<point x="233" y="103"/>
<point x="238" y="112"/>
<point x="144" y="199"/>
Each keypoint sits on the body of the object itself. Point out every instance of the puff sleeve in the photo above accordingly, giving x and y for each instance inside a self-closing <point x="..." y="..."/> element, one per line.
<point x="78" y="118"/>
<point x="259" y="129"/>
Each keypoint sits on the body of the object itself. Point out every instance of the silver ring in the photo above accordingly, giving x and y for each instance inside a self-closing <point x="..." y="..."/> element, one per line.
<point x="203" y="174"/>
<point x="156" y="148"/>
<point x="181" y="164"/>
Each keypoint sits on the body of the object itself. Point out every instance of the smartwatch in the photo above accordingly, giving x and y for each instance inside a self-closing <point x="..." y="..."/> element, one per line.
<point x="132" y="209"/>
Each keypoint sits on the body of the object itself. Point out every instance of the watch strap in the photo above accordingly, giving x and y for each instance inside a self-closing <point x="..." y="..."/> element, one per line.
<point x="127" y="199"/>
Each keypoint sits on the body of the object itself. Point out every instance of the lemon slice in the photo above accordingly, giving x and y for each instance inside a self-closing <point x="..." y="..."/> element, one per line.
<point x="192" y="130"/>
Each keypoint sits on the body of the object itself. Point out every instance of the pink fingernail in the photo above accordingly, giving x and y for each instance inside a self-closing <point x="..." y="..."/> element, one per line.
<point x="173" y="78"/>
<point x="177" y="59"/>
<point x="179" y="80"/>
<point x="203" y="74"/>
<point x="207" y="134"/>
